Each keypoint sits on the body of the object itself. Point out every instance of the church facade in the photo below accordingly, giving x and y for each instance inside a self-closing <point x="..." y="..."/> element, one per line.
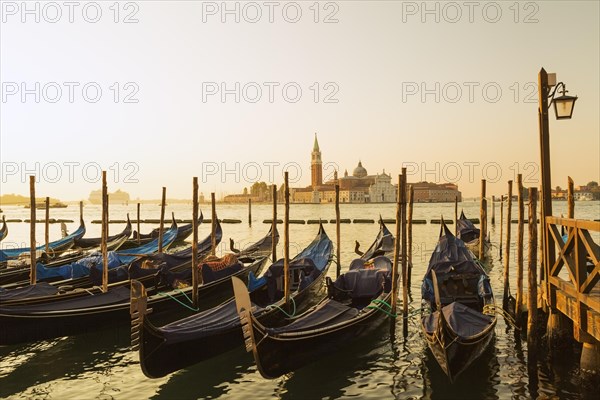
<point x="360" y="187"/>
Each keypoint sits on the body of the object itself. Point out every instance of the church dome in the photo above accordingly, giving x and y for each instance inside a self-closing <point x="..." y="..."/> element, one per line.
<point x="359" y="171"/>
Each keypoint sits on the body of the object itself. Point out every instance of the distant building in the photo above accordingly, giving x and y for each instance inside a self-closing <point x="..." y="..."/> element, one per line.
<point x="360" y="187"/>
<point x="119" y="197"/>
<point x="427" y="192"/>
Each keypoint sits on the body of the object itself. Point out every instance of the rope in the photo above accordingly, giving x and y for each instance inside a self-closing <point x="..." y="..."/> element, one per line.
<point x="376" y="307"/>
<point x="490" y="308"/>
<point x="291" y="316"/>
<point x="179" y="301"/>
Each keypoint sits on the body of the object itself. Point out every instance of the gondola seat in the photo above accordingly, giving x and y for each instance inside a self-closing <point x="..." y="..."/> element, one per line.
<point x="360" y="286"/>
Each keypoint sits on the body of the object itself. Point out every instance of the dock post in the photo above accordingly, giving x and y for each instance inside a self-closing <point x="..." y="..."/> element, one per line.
<point x="532" y="298"/>
<point x="286" y="240"/>
<point x="590" y="357"/>
<point x="104" y="236"/>
<point x="337" y="230"/>
<point x="162" y="219"/>
<point x="47" y="227"/>
<point x="213" y="225"/>
<point x="274" y="225"/>
<point x="507" y="248"/>
<point x="520" y="232"/>
<point x="493" y="210"/>
<point x="396" y="249"/>
<point x="404" y="258"/>
<point x="455" y="215"/>
<point x="80" y="211"/>
<point x="138" y="224"/>
<point x="482" y="222"/>
<point x="249" y="212"/>
<point x="570" y="199"/>
<point x="501" y="226"/>
<point x="32" y="248"/>
<point x="411" y="194"/>
<point x="195" y="275"/>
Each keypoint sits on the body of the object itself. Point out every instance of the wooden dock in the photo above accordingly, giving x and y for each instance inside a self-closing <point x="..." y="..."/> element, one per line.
<point x="577" y="297"/>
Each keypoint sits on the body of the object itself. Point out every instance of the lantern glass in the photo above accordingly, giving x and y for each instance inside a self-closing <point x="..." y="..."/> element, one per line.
<point x="563" y="107"/>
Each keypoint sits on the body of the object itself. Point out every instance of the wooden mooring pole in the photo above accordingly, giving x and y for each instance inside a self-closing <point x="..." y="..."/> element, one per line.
<point x="138" y="224"/>
<point x="455" y="215"/>
<point x="570" y="198"/>
<point x="286" y="240"/>
<point x="47" y="227"/>
<point x="482" y="222"/>
<point x="493" y="210"/>
<point x="161" y="227"/>
<point x="507" y="249"/>
<point x="337" y="230"/>
<point x="32" y="246"/>
<point x="274" y="225"/>
<point x="104" y="236"/>
<point x="411" y="194"/>
<point x="404" y="258"/>
<point x="213" y="224"/>
<point x="396" y="248"/>
<point x="532" y="297"/>
<point x="501" y="226"/>
<point x="249" y="212"/>
<point x="195" y="275"/>
<point x="520" y="231"/>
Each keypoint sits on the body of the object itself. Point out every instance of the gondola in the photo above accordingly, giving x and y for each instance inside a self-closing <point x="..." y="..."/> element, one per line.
<point x="77" y="273"/>
<point x="55" y="247"/>
<point x="458" y="309"/>
<point x="357" y="303"/>
<point x="188" y="341"/>
<point x="4" y="229"/>
<point x="86" y="243"/>
<point x="467" y="232"/>
<point x="91" y="310"/>
<point x="182" y="234"/>
<point x="19" y="275"/>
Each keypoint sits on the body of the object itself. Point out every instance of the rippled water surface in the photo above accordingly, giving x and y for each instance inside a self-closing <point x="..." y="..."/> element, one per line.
<point x="384" y="365"/>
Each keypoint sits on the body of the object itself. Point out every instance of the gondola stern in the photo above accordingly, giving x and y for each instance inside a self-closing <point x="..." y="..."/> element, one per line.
<point x="244" y="310"/>
<point x="138" y="309"/>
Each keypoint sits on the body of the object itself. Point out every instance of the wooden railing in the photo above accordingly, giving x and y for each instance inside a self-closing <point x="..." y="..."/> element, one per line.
<point x="578" y="297"/>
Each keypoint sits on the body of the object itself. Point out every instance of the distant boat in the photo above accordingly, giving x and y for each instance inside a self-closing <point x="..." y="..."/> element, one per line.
<point x="42" y="205"/>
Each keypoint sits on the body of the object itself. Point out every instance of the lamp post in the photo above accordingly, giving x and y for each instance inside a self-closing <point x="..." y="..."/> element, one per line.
<point x="563" y="108"/>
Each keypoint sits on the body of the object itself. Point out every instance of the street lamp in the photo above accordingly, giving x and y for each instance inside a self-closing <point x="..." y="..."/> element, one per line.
<point x="563" y="105"/>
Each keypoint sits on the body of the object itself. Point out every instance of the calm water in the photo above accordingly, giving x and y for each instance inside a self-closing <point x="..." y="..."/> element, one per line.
<point x="100" y="365"/>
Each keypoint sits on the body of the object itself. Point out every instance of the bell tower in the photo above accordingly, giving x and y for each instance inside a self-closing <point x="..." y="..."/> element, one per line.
<point x="316" y="165"/>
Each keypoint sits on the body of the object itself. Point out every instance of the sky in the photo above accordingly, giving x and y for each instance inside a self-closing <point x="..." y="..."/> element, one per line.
<point x="157" y="92"/>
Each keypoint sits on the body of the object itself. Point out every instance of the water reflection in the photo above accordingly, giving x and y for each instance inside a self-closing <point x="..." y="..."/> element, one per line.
<point x="479" y="381"/>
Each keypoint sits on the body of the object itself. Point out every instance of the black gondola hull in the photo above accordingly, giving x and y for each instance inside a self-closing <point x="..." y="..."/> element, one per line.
<point x="159" y="357"/>
<point x="279" y="355"/>
<point x="19" y="326"/>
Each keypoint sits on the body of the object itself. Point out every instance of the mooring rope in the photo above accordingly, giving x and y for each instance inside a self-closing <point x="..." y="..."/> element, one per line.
<point x="291" y="316"/>
<point x="492" y="308"/>
<point x="179" y="301"/>
<point x="379" y="302"/>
